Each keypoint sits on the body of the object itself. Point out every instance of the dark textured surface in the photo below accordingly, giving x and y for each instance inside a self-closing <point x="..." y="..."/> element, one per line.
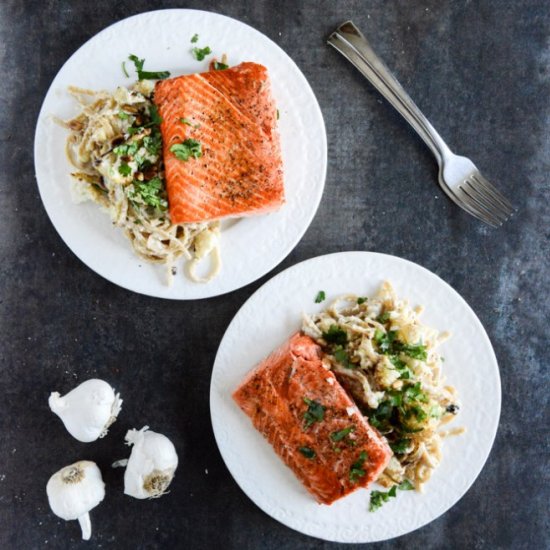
<point x="480" y="70"/>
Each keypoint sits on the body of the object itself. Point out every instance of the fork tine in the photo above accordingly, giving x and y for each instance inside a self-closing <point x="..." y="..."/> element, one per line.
<point x="475" y="190"/>
<point x="474" y="207"/>
<point x="494" y="192"/>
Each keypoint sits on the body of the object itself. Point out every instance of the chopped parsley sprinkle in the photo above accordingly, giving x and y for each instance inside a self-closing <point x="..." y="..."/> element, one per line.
<point x="125" y="149"/>
<point x="321" y="297"/>
<point x="150" y="193"/>
<point x="361" y="300"/>
<point x="220" y="66"/>
<point x="315" y="412"/>
<point x="201" y="53"/>
<point x="195" y="38"/>
<point x="356" y="470"/>
<point x="156" y="119"/>
<point x="383" y="317"/>
<point x="146" y="75"/>
<point x="153" y="143"/>
<point x="341" y="434"/>
<point x="388" y="344"/>
<point x="343" y="358"/>
<point x="378" y="498"/>
<point x="187" y="149"/>
<point x="336" y="335"/>
<point x="124" y="169"/>
<point x="307" y="452"/>
<point x="400" y="446"/>
<point x="123" y="116"/>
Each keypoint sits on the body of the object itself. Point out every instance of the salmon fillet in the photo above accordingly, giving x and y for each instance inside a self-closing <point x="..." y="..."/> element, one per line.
<point x="232" y="115"/>
<point x="311" y="422"/>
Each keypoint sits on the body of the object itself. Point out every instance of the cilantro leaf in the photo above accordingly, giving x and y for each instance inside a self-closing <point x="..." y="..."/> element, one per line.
<point x="195" y="38"/>
<point x="187" y="149"/>
<point x="406" y="485"/>
<point x="383" y="317"/>
<point x="124" y="169"/>
<point x="220" y="66"/>
<point x="307" y="452"/>
<point x="123" y="116"/>
<point x="361" y="300"/>
<point x="341" y="434"/>
<point x="378" y="498"/>
<point x="150" y="192"/>
<point x="400" y="446"/>
<point x="201" y="53"/>
<point x="321" y="296"/>
<point x="336" y="335"/>
<point x="356" y="470"/>
<point x="146" y="75"/>
<point x="315" y="412"/>
<point x="343" y="358"/>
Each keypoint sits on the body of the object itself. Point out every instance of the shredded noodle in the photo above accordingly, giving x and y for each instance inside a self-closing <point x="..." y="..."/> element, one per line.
<point x="385" y="357"/>
<point x="115" y="145"/>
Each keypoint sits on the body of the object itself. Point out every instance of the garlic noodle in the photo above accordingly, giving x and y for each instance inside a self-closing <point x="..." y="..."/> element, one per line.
<point x="116" y="147"/>
<point x="386" y="358"/>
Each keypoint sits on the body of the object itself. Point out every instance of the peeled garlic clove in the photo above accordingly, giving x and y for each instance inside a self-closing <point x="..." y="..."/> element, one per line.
<point x="74" y="490"/>
<point x="151" y="466"/>
<point x="88" y="410"/>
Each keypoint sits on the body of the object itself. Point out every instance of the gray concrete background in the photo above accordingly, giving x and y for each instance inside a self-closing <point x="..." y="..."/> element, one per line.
<point x="480" y="70"/>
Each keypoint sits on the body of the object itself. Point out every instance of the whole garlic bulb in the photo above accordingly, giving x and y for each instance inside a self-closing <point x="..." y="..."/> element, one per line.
<point x="88" y="410"/>
<point x="152" y="464"/>
<point x="74" y="490"/>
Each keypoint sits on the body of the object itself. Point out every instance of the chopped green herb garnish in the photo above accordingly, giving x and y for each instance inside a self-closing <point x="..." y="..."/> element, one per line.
<point x="189" y="148"/>
<point x="150" y="193"/>
<point x="406" y="485"/>
<point x="124" y="169"/>
<point x="343" y="358"/>
<point x="201" y="53"/>
<point x="384" y="317"/>
<point x="124" y="70"/>
<point x="220" y="66"/>
<point x="146" y="75"/>
<point x="153" y="143"/>
<point x="361" y="300"/>
<point x="400" y="446"/>
<point x="195" y="38"/>
<point x="341" y="434"/>
<point x="417" y="351"/>
<point x="307" y="452"/>
<point x="336" y="335"/>
<point x="377" y="498"/>
<point x="356" y="471"/>
<point x="401" y="367"/>
<point x="156" y="119"/>
<point x="390" y="345"/>
<point x="123" y="116"/>
<point x="321" y="297"/>
<point x="126" y="149"/>
<point x="315" y="412"/>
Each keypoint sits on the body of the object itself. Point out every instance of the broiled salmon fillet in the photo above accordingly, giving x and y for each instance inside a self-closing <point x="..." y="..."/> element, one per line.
<point x="311" y="422"/>
<point x="232" y="115"/>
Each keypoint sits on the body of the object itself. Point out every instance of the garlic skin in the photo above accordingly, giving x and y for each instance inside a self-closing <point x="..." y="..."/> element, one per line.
<point x="151" y="466"/>
<point x="88" y="410"/>
<point x="74" y="490"/>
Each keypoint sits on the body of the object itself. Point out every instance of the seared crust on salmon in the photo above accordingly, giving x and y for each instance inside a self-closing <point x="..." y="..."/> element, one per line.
<point x="311" y="422"/>
<point x="232" y="115"/>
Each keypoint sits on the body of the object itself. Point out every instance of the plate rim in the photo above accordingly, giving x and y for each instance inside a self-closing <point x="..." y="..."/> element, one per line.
<point x="291" y="244"/>
<point x="497" y="408"/>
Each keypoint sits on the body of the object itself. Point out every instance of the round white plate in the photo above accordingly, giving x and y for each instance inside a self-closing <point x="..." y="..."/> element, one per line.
<point x="272" y="314"/>
<point x="250" y="246"/>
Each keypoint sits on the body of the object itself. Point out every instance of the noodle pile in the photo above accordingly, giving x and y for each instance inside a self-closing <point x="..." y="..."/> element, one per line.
<point x="116" y="146"/>
<point x="385" y="357"/>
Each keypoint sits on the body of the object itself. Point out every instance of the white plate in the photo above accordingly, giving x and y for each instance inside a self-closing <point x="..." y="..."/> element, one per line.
<point x="250" y="246"/>
<point x="272" y="314"/>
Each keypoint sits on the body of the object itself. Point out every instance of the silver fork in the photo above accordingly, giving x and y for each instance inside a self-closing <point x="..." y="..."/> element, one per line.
<point x="458" y="176"/>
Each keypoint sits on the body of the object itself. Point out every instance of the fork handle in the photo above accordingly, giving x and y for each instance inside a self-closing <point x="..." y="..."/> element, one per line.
<point x="349" y="41"/>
